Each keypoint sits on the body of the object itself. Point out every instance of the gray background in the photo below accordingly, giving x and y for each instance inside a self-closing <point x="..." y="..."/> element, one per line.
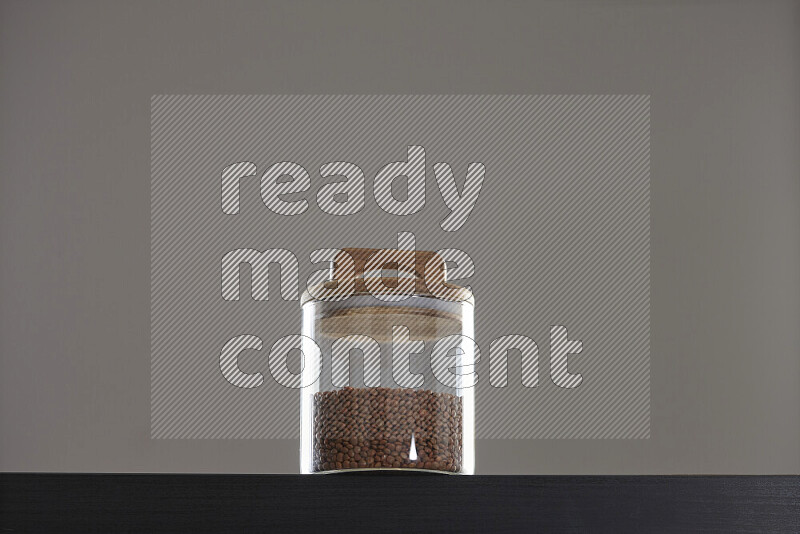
<point x="74" y="204"/>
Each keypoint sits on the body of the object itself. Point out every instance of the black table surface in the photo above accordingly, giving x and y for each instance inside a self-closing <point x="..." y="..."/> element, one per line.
<point x="404" y="503"/>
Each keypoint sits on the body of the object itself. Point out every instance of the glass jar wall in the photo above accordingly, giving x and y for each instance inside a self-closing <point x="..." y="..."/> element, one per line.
<point x="394" y="388"/>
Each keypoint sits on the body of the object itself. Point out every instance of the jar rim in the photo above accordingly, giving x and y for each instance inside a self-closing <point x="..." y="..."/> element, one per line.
<point x="465" y="296"/>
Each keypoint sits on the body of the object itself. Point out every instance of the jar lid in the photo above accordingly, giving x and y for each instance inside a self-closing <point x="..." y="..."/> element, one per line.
<point x="359" y="271"/>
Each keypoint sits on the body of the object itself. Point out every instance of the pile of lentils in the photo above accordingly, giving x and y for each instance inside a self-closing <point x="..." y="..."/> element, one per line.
<point x="371" y="428"/>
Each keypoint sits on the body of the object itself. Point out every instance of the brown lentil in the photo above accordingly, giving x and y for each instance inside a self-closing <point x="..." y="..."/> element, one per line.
<point x="372" y="428"/>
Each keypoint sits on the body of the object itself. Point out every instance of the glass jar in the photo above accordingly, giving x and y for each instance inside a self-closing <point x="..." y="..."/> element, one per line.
<point x="395" y="387"/>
